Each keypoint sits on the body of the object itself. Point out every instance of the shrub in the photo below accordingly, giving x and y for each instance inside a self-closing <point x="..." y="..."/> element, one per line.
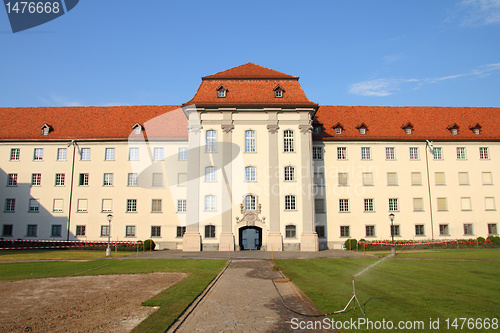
<point x="350" y="244"/>
<point x="148" y="244"/>
<point x="495" y="240"/>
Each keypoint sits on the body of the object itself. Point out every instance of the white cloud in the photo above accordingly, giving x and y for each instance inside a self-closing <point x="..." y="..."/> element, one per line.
<point x="59" y="100"/>
<point x="385" y="87"/>
<point x="479" y="12"/>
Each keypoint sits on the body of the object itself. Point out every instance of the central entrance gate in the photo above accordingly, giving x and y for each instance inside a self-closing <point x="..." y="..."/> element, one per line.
<point x="250" y="238"/>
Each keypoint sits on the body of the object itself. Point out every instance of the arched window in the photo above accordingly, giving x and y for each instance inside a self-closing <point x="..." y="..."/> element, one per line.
<point x="249" y="141"/>
<point x="210" y="202"/>
<point x="289" y="202"/>
<point x="210" y="174"/>
<point x="288" y="141"/>
<point x="250" y="174"/>
<point x="211" y="139"/>
<point x="209" y="231"/>
<point x="289" y="173"/>
<point x="290" y="231"/>
<point x="250" y="202"/>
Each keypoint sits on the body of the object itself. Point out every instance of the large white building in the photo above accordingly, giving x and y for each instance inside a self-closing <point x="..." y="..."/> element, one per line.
<point x="249" y="162"/>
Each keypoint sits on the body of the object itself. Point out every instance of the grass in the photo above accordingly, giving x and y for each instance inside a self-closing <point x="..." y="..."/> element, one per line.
<point x="467" y="254"/>
<point x="171" y="301"/>
<point x="12" y="255"/>
<point x="400" y="290"/>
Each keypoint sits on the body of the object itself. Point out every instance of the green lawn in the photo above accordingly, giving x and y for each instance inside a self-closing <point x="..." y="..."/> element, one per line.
<point x="11" y="255"/>
<point x="171" y="301"/>
<point x="401" y="290"/>
<point x="473" y="254"/>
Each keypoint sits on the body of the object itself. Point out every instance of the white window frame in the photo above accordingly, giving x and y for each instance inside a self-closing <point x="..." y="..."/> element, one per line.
<point x="250" y="146"/>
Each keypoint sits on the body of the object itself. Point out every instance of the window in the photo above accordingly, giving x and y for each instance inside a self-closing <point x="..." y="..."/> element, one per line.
<point x="454" y="131"/>
<point x="181" y="205"/>
<point x="362" y="131"/>
<point x="58" y="205"/>
<point x="419" y="230"/>
<point x="80" y="230"/>
<point x="442" y="204"/>
<point x="104" y="230"/>
<point x="137" y="129"/>
<point x="390" y="153"/>
<point x="157" y="180"/>
<point x="418" y="204"/>
<point x="156" y="206"/>
<point x="183" y="154"/>
<point x="392" y="179"/>
<point x="211" y="141"/>
<point x="82" y="205"/>
<point x="181" y="179"/>
<point x="34" y="206"/>
<point x="483" y="153"/>
<point x="344" y="231"/>
<point x="250" y="202"/>
<point x="416" y="178"/>
<point x="31" y="230"/>
<point x="38" y="154"/>
<point x="463" y="178"/>
<point x="15" y="154"/>
<point x="368" y="205"/>
<point x="366" y="153"/>
<point x="133" y="154"/>
<point x="278" y="93"/>
<point x="12" y="179"/>
<point x="56" y="230"/>
<point x="109" y="154"/>
<point x="367" y="178"/>
<point x="338" y="130"/>
<point x="210" y="202"/>
<point x="210" y="174"/>
<point x="290" y="231"/>
<point x="289" y="173"/>
<point x="155" y="231"/>
<point x="342" y="153"/>
<point x="492" y="229"/>
<point x="443" y="230"/>
<point x="84" y="179"/>
<point x="370" y="231"/>
<point x="319" y="179"/>
<point x="61" y="154"/>
<point x="438" y="153"/>
<point x="132" y="179"/>
<point x="395" y="230"/>
<point x="487" y="178"/>
<point x="413" y="153"/>
<point x="107" y="205"/>
<point x="320" y="230"/>
<point x="108" y="179"/>
<point x="393" y="205"/>
<point x="468" y="229"/>
<point x="439" y="178"/>
<point x="317" y="153"/>
<point x="289" y="202"/>
<point x="209" y="231"/>
<point x="489" y="203"/>
<point x="250" y="174"/>
<point x="10" y="205"/>
<point x="130" y="231"/>
<point x="319" y="206"/>
<point x="408" y="130"/>
<point x="158" y="154"/>
<point x="343" y="178"/>
<point x="180" y="232"/>
<point x="250" y="141"/>
<point x="288" y="144"/>
<point x="7" y="230"/>
<point x="465" y="203"/>
<point x="221" y="93"/>
<point x="461" y="153"/>
<point x="85" y="154"/>
<point x="343" y="205"/>
<point x="60" y="178"/>
<point x="131" y="205"/>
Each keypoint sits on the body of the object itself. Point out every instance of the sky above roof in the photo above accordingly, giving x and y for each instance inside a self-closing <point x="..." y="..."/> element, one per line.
<point x="387" y="52"/>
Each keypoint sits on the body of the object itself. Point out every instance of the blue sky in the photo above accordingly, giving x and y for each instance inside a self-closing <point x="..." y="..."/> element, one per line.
<point x="131" y="52"/>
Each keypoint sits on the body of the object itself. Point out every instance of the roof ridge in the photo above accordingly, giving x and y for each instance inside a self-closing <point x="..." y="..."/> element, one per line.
<point x="250" y="71"/>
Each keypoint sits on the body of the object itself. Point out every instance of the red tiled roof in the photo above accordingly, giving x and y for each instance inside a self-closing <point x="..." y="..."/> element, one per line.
<point x="429" y="123"/>
<point x="249" y="71"/>
<point x="89" y="122"/>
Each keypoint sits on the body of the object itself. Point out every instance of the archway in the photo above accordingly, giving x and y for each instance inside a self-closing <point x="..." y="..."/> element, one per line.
<point x="250" y="238"/>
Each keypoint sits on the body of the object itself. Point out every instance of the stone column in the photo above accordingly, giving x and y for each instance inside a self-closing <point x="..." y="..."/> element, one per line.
<point x="192" y="239"/>
<point x="309" y="237"/>
<point x="274" y="237"/>
<point x="226" y="239"/>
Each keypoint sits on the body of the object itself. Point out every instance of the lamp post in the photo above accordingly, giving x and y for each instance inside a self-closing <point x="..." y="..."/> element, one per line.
<point x="108" y="249"/>
<point x="393" y="248"/>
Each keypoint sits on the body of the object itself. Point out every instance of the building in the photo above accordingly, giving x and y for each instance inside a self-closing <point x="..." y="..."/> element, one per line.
<point x="249" y="162"/>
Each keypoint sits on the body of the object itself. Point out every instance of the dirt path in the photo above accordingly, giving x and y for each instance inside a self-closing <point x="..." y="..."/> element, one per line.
<point x="104" y="303"/>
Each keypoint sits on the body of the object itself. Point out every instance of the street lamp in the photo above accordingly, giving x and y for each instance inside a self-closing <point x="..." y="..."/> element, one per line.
<point x="393" y="248"/>
<point x="108" y="249"/>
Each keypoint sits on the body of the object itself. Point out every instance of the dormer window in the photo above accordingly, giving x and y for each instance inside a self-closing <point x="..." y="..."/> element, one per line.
<point x="221" y="91"/>
<point x="476" y="129"/>
<point x="278" y="91"/>
<point x="316" y="130"/>
<point x="408" y="127"/>
<point x="453" y="129"/>
<point x="362" y="128"/>
<point x="46" y="129"/>
<point x="137" y="128"/>
<point x="338" y="128"/>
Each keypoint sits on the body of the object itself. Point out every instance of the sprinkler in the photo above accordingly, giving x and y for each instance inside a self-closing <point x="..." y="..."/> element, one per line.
<point x="354" y="297"/>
